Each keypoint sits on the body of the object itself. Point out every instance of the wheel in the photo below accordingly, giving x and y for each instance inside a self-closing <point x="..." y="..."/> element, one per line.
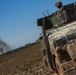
<point x="46" y="65"/>
<point x="58" y="71"/>
<point x="54" y="62"/>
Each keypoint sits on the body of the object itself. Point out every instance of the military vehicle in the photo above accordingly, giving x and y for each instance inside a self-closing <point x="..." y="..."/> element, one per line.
<point x="58" y="40"/>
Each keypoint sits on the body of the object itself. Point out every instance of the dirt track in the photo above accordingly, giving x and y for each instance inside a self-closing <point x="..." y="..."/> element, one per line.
<point x="24" y="61"/>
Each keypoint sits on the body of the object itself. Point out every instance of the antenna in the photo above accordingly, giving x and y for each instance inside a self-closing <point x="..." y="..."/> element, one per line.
<point x="47" y="12"/>
<point x="44" y="14"/>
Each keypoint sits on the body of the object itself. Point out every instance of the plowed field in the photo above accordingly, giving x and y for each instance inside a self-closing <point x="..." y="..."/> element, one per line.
<point x="23" y="61"/>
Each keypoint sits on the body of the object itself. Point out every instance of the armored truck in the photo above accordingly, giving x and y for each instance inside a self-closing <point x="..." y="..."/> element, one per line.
<point x="58" y="40"/>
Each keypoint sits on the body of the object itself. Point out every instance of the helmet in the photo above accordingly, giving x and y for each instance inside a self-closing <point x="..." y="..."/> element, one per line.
<point x="58" y="4"/>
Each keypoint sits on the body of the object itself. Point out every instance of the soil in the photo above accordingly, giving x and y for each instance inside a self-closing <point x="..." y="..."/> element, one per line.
<point x="23" y="61"/>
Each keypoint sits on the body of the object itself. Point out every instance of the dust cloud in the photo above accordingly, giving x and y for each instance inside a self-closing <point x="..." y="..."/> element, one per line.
<point x="4" y="48"/>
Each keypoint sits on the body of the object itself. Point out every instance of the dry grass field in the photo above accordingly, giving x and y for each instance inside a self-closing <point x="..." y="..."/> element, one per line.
<point x="23" y="61"/>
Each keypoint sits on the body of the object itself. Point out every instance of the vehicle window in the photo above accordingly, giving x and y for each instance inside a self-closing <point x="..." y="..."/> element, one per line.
<point x="70" y="37"/>
<point x="64" y="40"/>
<point x="74" y="34"/>
<point x="60" y="42"/>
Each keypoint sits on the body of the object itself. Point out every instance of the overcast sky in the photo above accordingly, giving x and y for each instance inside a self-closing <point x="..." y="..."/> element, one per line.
<point x="18" y="19"/>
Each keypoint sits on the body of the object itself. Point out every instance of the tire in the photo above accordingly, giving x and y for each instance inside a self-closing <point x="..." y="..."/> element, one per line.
<point x="46" y="65"/>
<point x="57" y="68"/>
<point x="54" y="61"/>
